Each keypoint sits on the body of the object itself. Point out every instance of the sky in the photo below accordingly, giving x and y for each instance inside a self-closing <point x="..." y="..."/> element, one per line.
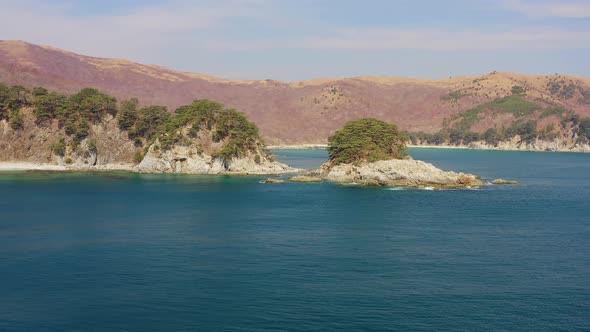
<point x="305" y="39"/>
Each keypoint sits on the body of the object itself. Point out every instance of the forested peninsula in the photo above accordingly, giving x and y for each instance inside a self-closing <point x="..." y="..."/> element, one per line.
<point x="91" y="130"/>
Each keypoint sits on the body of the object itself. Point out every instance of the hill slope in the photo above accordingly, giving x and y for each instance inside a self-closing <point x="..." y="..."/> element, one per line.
<point x="292" y="112"/>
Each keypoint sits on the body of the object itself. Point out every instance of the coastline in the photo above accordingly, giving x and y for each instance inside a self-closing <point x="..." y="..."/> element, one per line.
<point x="24" y="166"/>
<point x="448" y="147"/>
<point x="14" y="166"/>
<point x="503" y="148"/>
<point x="298" y="147"/>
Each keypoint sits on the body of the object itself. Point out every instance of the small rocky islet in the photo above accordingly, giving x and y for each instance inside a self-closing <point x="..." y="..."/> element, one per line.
<point x="92" y="131"/>
<point x="371" y="152"/>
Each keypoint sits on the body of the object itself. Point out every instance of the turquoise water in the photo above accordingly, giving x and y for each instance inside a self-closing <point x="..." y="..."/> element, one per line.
<point x="111" y="252"/>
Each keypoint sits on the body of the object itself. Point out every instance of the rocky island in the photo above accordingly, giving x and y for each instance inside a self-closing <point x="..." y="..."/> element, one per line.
<point x="91" y="131"/>
<point x="373" y="152"/>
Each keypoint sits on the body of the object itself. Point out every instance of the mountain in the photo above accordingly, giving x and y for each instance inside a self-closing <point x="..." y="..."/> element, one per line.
<point x="306" y="111"/>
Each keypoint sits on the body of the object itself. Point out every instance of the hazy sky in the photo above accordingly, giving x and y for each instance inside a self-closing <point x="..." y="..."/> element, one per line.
<point x="304" y="39"/>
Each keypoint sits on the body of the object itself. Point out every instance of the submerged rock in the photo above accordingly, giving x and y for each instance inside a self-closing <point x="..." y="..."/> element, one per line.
<point x="502" y="181"/>
<point x="271" y="180"/>
<point x="305" y="178"/>
<point x="398" y="172"/>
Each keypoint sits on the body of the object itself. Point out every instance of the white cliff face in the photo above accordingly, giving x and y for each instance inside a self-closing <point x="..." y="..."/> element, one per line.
<point x="396" y="172"/>
<point x="247" y="165"/>
<point x="514" y="144"/>
<point x="188" y="160"/>
<point x="562" y="145"/>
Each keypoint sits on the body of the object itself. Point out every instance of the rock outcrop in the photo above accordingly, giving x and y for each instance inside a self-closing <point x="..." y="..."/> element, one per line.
<point x="191" y="160"/>
<point x="515" y="144"/>
<point x="398" y="172"/>
<point x="105" y="145"/>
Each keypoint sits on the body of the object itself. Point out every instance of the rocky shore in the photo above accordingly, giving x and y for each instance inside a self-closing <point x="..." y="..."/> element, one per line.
<point x="512" y="145"/>
<point x="178" y="159"/>
<point x="557" y="145"/>
<point x="189" y="160"/>
<point x="299" y="147"/>
<point x="398" y="172"/>
<point x="26" y="166"/>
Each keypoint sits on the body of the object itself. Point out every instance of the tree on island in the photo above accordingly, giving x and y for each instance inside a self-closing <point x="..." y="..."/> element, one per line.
<point x="366" y="140"/>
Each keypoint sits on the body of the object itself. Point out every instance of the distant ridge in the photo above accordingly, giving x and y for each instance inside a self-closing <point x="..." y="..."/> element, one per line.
<point x="287" y="112"/>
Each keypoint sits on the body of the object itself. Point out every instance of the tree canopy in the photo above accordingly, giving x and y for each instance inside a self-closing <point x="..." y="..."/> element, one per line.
<point x="366" y="140"/>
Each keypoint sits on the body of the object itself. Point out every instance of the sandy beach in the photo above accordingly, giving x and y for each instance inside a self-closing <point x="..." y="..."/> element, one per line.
<point x="25" y="166"/>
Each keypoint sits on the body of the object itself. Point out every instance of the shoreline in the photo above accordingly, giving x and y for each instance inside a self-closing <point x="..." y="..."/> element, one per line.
<point x="24" y="166"/>
<point x="15" y="166"/>
<point x="444" y="147"/>
<point x="298" y="147"/>
<point x="485" y="148"/>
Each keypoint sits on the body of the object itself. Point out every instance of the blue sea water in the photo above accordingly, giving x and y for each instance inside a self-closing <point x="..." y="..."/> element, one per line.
<point x="129" y="252"/>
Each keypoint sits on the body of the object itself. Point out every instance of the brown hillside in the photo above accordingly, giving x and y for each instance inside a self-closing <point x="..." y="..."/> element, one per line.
<point x="286" y="112"/>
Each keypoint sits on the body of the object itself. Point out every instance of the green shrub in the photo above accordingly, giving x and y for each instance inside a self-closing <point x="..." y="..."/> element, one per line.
<point x="570" y="117"/>
<point x="526" y="130"/>
<point x="92" y="146"/>
<point x="470" y="137"/>
<point x="453" y="96"/>
<point x="455" y="136"/>
<point x="92" y="104"/>
<point x="557" y="111"/>
<point x="518" y="90"/>
<point x="12" y="98"/>
<point x="547" y="133"/>
<point x="584" y="130"/>
<point x="491" y="137"/>
<point x="149" y="121"/>
<point x="47" y="106"/>
<point x="39" y="91"/>
<point x="137" y="142"/>
<point x="562" y="88"/>
<point x="514" y="104"/>
<point x="366" y="140"/>
<point x="437" y="138"/>
<point x="68" y="161"/>
<point x="16" y="120"/>
<point x="127" y="116"/>
<point x="138" y="157"/>
<point x="59" y="148"/>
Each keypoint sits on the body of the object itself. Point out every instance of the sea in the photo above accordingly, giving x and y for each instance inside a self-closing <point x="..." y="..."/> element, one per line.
<point x="135" y="252"/>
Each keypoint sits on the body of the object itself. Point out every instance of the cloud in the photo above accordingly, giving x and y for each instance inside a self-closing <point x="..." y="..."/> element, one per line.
<point x="143" y="32"/>
<point x="130" y="34"/>
<point x="552" y="9"/>
<point x="219" y="36"/>
<point x="444" y="40"/>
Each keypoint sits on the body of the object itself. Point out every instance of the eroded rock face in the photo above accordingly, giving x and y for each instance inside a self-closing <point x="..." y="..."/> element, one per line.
<point x="396" y="172"/>
<point x="189" y="160"/>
